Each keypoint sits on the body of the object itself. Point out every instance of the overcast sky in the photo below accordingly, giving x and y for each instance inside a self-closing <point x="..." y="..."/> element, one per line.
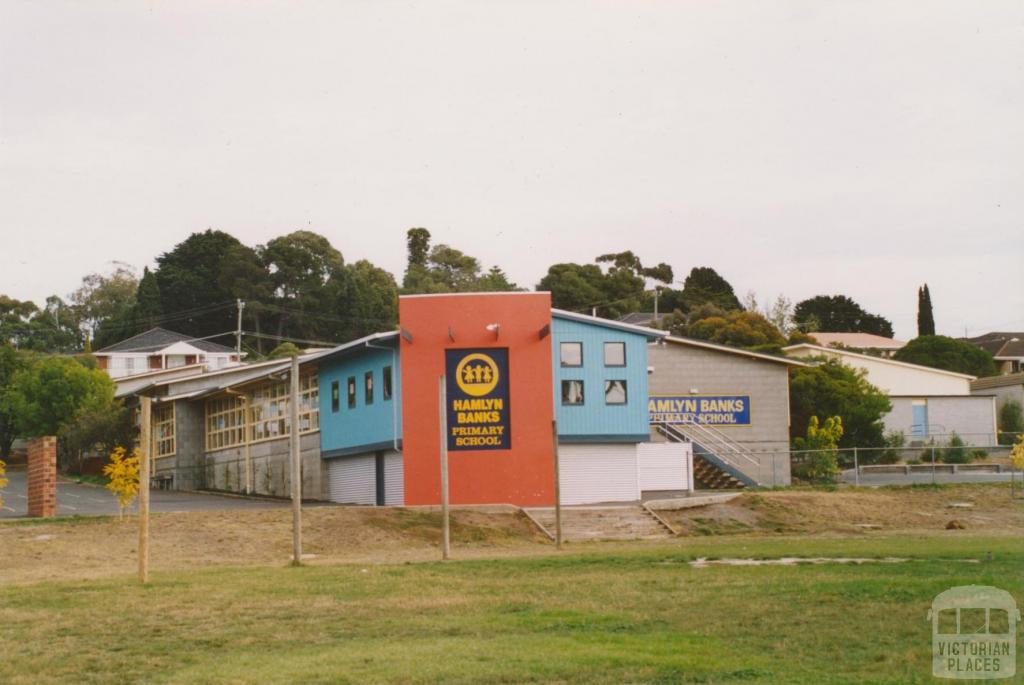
<point x="801" y="148"/>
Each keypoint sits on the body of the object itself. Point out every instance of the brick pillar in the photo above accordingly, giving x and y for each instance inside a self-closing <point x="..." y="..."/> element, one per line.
<point x="42" y="476"/>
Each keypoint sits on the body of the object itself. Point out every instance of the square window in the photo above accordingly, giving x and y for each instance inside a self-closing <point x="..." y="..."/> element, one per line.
<point x="615" y="392"/>
<point x="386" y="383"/>
<point x="368" y="385"/>
<point x="571" y="353"/>
<point x="351" y="392"/>
<point x="572" y="392"/>
<point x="615" y="354"/>
<point x="335" y="396"/>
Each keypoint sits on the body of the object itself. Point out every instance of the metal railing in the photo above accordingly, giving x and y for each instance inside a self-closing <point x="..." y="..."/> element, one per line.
<point x="720" y="450"/>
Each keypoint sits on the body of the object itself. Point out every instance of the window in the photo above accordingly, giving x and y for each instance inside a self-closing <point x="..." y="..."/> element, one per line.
<point x="386" y="383"/>
<point x="269" y="411"/>
<point x="129" y="365"/>
<point x="225" y="423"/>
<point x="368" y="386"/>
<point x="615" y="392"/>
<point x="572" y="392"/>
<point x="571" y="353"/>
<point x="163" y="431"/>
<point x="615" y="354"/>
<point x="351" y="392"/>
<point x="335" y="396"/>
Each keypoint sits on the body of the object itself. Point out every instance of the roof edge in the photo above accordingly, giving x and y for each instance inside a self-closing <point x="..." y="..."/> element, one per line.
<point x="651" y="333"/>
<point x="718" y="347"/>
<point x="894" y="362"/>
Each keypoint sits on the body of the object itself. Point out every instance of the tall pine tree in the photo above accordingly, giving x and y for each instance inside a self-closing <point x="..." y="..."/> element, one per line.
<point x="925" y="320"/>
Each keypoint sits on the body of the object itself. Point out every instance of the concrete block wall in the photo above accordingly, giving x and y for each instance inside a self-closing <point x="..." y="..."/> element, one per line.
<point x="970" y="416"/>
<point x="42" y="476"/>
<point x="679" y="368"/>
<point x="225" y="469"/>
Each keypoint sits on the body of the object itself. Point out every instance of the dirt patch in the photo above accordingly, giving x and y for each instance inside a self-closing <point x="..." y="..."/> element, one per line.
<point x="99" y="547"/>
<point x="858" y="510"/>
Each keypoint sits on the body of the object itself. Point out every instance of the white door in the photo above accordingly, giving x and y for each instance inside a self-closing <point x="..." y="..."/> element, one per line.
<point x="394" y="480"/>
<point x="664" y="465"/>
<point x="597" y="473"/>
<point x="353" y="480"/>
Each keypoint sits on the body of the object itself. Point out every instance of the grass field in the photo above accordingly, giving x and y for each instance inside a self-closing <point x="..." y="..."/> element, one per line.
<point x="635" y="613"/>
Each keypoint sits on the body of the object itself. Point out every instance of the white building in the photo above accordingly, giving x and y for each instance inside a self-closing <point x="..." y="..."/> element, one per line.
<point x="158" y="349"/>
<point x="927" y="404"/>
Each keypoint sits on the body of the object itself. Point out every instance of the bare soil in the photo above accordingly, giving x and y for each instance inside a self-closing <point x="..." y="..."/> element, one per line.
<point x="86" y="548"/>
<point x="980" y="508"/>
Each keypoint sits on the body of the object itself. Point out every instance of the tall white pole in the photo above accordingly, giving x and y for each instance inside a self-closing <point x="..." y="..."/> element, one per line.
<point x="145" y="450"/>
<point x="238" y="330"/>
<point x="296" y="456"/>
<point x="442" y="410"/>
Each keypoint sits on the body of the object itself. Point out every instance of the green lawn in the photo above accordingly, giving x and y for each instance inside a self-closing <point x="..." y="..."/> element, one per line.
<point x="633" y="614"/>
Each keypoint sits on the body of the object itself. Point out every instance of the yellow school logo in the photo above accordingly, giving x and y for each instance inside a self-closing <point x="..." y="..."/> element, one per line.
<point x="476" y="374"/>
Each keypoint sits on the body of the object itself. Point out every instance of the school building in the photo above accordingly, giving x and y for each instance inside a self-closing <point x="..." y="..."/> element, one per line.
<point x="499" y="379"/>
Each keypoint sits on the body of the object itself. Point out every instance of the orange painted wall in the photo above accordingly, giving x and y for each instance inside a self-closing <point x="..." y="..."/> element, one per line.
<point x="523" y="475"/>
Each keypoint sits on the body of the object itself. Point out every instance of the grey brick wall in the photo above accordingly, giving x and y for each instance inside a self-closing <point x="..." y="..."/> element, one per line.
<point x="225" y="469"/>
<point x="679" y="368"/>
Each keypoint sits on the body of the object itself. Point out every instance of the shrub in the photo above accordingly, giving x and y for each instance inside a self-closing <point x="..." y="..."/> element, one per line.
<point x="1011" y="422"/>
<point x="821" y="463"/>
<point x="894" y="443"/>
<point x="956" y="453"/>
<point x="978" y="454"/>
<point x="124" y="477"/>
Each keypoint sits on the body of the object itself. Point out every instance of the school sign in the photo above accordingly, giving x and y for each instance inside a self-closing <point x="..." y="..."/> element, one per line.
<point x="478" y="399"/>
<point x="712" y="410"/>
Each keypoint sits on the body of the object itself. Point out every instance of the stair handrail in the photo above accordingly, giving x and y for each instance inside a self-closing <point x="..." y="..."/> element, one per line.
<point x="723" y="462"/>
<point x="715" y="438"/>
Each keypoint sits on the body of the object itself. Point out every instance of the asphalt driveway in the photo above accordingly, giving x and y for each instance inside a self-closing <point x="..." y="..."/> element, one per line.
<point x="80" y="499"/>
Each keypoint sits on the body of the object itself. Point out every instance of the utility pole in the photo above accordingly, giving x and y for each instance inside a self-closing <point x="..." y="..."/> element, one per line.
<point x="238" y="330"/>
<point x="145" y="447"/>
<point x="656" y="291"/>
<point x="442" y="410"/>
<point x="296" y="465"/>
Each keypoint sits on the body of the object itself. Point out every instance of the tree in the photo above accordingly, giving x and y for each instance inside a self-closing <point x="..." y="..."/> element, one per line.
<point x="301" y="264"/>
<point x="942" y="352"/>
<point x="739" y="329"/>
<point x="1011" y="422"/>
<point x="45" y="396"/>
<point x="15" y="317"/>
<point x="925" y="319"/>
<point x="839" y="314"/>
<point x="618" y="290"/>
<point x="445" y="269"/>
<point x="101" y="426"/>
<point x="11" y="361"/>
<point x="703" y="286"/>
<point x="285" y="350"/>
<point x="832" y="389"/>
<point x="123" y="473"/>
<point x="188" y="280"/>
<point x="104" y="298"/>
<point x="820" y="462"/>
<point x="367" y="302"/>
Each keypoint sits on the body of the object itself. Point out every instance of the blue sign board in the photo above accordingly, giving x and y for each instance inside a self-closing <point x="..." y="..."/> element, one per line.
<point x="712" y="410"/>
<point x="477" y="399"/>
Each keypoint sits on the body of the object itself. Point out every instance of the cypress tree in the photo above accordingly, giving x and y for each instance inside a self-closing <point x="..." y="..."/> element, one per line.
<point x="925" y="319"/>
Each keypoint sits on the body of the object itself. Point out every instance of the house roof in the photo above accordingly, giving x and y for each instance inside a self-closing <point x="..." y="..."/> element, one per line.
<point x="1001" y="345"/>
<point x="642" y="318"/>
<point x="651" y="333"/>
<point x="857" y="340"/>
<point x="998" y="381"/>
<point x="880" y="360"/>
<point x="156" y="339"/>
<point x="763" y="356"/>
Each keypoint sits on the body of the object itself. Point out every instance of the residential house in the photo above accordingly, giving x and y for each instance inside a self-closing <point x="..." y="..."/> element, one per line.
<point x="159" y="348"/>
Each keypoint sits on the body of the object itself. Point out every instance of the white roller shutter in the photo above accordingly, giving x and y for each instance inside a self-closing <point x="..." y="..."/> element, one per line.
<point x="597" y="473"/>
<point x="664" y="465"/>
<point x="394" y="480"/>
<point x="353" y="480"/>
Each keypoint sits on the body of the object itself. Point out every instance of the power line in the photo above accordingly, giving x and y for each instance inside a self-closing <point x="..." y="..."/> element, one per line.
<point x="284" y="338"/>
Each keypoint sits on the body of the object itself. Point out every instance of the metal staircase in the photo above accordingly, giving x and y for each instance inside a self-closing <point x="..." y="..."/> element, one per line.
<point x="719" y="462"/>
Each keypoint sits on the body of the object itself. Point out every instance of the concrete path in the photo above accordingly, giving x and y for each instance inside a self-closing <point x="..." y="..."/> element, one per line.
<point x="79" y="499"/>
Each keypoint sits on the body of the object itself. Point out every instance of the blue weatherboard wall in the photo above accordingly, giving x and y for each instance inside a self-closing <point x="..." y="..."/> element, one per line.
<point x="364" y="428"/>
<point x="595" y="421"/>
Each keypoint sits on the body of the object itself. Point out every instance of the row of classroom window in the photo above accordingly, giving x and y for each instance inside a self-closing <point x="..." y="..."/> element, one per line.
<point x="386" y="389"/>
